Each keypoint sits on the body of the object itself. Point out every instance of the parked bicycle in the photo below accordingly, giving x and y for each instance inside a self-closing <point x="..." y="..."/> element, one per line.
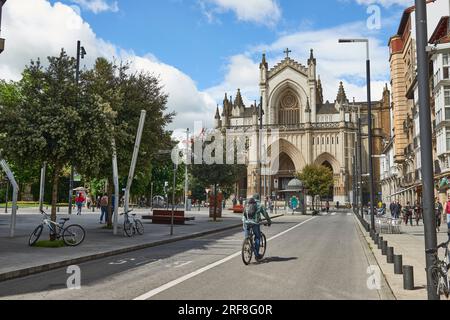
<point x="72" y="235"/>
<point x="439" y="271"/>
<point x="249" y="248"/>
<point x="131" y="225"/>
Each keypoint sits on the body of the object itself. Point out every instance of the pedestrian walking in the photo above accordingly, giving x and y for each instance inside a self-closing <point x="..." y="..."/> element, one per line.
<point x="327" y="206"/>
<point x="418" y="212"/>
<point x="407" y="214"/>
<point x="79" y="202"/>
<point x="104" y="201"/>
<point x="447" y="212"/>
<point x="438" y="210"/>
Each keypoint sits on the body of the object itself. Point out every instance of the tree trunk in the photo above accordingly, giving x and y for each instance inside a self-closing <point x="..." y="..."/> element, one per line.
<point x="55" y="182"/>
<point x="110" y="202"/>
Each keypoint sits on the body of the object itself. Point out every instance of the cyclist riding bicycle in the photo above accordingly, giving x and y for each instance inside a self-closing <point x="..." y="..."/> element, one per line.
<point x="252" y="219"/>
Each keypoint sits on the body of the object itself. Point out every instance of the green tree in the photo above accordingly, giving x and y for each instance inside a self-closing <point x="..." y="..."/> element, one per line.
<point x="217" y="175"/>
<point x="51" y="119"/>
<point x="317" y="179"/>
<point x="126" y="94"/>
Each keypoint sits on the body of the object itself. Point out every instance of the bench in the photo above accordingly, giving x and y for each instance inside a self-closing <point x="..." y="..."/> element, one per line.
<point x="165" y="217"/>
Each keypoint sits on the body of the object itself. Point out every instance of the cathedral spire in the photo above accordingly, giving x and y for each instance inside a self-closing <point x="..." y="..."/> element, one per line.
<point x="217" y="113"/>
<point x="238" y="102"/>
<point x="311" y="59"/>
<point x="264" y="63"/>
<point x="319" y="97"/>
<point x="342" y="96"/>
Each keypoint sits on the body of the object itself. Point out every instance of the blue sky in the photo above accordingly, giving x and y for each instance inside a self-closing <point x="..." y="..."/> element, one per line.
<point x="180" y="34"/>
<point x="204" y="48"/>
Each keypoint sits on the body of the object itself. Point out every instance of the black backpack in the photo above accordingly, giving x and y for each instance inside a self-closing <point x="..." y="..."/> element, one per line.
<point x="251" y="210"/>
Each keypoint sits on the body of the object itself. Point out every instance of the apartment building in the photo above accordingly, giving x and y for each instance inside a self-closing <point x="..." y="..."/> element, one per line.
<point x="401" y="177"/>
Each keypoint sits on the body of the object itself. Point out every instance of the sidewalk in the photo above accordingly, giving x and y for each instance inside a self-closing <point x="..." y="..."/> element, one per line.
<point x="411" y="245"/>
<point x="18" y="259"/>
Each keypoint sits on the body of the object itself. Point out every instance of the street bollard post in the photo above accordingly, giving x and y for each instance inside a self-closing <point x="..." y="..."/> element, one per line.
<point x="390" y="255"/>
<point x="384" y="246"/>
<point x="408" y="277"/>
<point x="398" y="264"/>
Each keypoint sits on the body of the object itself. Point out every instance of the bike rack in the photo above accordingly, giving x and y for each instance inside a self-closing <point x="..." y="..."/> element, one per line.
<point x="15" y="186"/>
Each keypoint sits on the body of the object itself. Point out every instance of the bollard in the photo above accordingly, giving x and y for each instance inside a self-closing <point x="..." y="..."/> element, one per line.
<point x="408" y="277"/>
<point x="57" y="208"/>
<point x="398" y="264"/>
<point x="390" y="255"/>
<point x="380" y="242"/>
<point x="384" y="246"/>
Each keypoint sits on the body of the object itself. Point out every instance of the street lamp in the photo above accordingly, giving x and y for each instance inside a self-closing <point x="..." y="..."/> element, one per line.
<point x="369" y="104"/>
<point x="80" y="55"/>
<point x="2" y="41"/>
<point x="426" y="145"/>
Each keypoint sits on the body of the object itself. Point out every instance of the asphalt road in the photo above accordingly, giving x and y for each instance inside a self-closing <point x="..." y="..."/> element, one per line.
<point x="307" y="258"/>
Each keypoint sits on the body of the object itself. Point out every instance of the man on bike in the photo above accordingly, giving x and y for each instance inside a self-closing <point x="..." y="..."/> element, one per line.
<point x="252" y="219"/>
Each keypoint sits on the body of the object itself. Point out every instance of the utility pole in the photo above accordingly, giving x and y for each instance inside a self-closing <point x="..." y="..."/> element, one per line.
<point x="261" y="114"/>
<point x="186" y="179"/>
<point x="426" y="144"/>
<point x="369" y="111"/>
<point x="360" y="165"/>
<point x="175" y="169"/>
<point x="6" y="196"/>
<point x="80" y="55"/>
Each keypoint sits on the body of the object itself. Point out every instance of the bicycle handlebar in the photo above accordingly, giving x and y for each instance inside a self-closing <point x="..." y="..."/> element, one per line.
<point x="127" y="212"/>
<point x="441" y="246"/>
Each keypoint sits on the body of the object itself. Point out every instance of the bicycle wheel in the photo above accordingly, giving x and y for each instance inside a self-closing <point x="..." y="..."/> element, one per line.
<point x="247" y="251"/>
<point x="73" y="235"/>
<point x="34" y="237"/>
<point x="262" y="246"/>
<point x="139" y="227"/>
<point x="128" y="228"/>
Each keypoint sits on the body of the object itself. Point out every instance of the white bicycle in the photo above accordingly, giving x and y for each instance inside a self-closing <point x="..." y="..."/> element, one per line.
<point x="131" y="225"/>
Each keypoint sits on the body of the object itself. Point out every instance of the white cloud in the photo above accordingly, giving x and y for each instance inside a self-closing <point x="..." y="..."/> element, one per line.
<point x="97" y="6"/>
<point x="266" y="12"/>
<point x="35" y="28"/>
<point x="387" y="3"/>
<point x="335" y="62"/>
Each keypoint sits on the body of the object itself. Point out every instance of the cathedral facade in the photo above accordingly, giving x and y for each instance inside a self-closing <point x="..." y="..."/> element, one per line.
<point x="310" y="130"/>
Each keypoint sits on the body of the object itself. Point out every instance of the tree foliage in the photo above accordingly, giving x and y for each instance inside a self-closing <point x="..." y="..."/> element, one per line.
<point x="217" y="175"/>
<point x="317" y="179"/>
<point x="46" y="117"/>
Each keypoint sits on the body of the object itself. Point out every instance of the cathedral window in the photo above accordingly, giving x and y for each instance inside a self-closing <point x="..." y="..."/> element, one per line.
<point x="289" y="109"/>
<point x="337" y="140"/>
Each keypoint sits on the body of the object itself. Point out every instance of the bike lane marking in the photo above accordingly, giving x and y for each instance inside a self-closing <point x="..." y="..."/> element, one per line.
<point x="176" y="282"/>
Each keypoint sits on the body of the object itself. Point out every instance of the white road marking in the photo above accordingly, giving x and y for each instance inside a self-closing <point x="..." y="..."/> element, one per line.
<point x="148" y="262"/>
<point x="175" y="282"/>
<point x="334" y="213"/>
<point x="184" y="264"/>
<point x="349" y="214"/>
